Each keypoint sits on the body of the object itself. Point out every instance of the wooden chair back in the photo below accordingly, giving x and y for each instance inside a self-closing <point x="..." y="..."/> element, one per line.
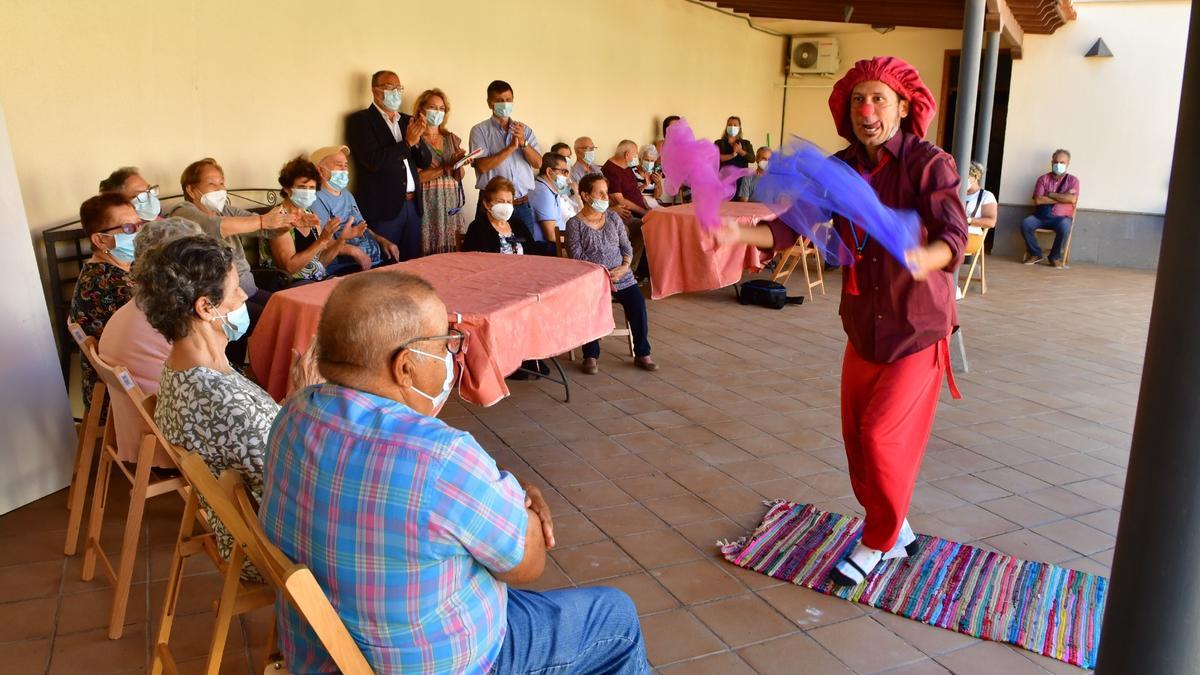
<point x="90" y="431"/>
<point x="458" y="241"/>
<point x="296" y="582"/>
<point x="560" y="243"/>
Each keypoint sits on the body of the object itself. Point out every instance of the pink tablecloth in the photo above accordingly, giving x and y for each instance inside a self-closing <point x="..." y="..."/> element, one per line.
<point x="514" y="308"/>
<point x="684" y="259"/>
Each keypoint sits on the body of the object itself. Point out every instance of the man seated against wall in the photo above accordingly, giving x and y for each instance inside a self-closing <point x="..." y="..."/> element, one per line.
<point x="1054" y="198"/>
<point x="128" y="181"/>
<point x="335" y="201"/>
<point x="408" y="523"/>
<point x="745" y="186"/>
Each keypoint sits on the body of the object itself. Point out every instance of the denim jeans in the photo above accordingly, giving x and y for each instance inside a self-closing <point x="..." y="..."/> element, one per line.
<point x="578" y="630"/>
<point x="635" y="313"/>
<point x="1061" y="226"/>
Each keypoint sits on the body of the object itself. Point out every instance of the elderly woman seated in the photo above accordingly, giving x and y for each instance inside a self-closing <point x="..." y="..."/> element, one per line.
<point x="494" y="231"/>
<point x="130" y="341"/>
<point x="207" y="204"/>
<point x="597" y="235"/>
<point x="311" y="249"/>
<point x="103" y="285"/>
<point x="190" y="293"/>
<point x="649" y="173"/>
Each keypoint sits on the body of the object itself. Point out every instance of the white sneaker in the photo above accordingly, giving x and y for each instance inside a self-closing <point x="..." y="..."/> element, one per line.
<point x="958" y="294"/>
<point x="906" y="538"/>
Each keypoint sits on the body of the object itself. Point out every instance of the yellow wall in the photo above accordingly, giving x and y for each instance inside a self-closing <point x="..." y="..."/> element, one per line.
<point x="808" y="96"/>
<point x="1116" y="115"/>
<point x="89" y="86"/>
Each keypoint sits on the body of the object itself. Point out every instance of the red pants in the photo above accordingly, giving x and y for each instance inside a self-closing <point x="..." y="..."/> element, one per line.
<point x="887" y="415"/>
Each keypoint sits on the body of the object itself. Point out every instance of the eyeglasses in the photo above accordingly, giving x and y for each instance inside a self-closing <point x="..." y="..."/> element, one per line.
<point x="390" y="87"/>
<point x="456" y="340"/>
<point x="127" y="228"/>
<point x="559" y="170"/>
<point x="145" y="195"/>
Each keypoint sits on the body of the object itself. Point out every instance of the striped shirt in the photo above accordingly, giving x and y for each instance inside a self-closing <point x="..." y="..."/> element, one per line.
<point x="401" y="519"/>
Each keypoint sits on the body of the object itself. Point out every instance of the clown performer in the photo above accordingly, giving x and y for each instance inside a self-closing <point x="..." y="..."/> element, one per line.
<point x="898" y="315"/>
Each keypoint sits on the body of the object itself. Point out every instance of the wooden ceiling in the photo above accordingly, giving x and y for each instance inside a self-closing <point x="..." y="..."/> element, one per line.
<point x="1013" y="18"/>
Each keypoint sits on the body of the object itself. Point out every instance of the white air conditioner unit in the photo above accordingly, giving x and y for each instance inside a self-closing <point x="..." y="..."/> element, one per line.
<point x="812" y="56"/>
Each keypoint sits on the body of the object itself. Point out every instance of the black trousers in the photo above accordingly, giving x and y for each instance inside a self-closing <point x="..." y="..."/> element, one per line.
<point x="635" y="313"/>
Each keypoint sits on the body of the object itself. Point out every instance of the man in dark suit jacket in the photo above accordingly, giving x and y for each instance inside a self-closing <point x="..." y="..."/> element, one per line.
<point x="385" y="146"/>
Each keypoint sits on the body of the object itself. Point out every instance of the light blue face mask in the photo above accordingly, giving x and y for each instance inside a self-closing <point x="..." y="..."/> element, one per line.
<point x="339" y="179"/>
<point x="392" y="99"/>
<point x="148" y="208"/>
<point x="236" y="323"/>
<point x="599" y="205"/>
<point x="560" y="182"/>
<point x="122" y="251"/>
<point x="632" y="163"/>
<point x="589" y="156"/>
<point x="435" y="117"/>
<point x="447" y="384"/>
<point x="503" y="109"/>
<point x="1058" y="168"/>
<point x="303" y="197"/>
<point x="648" y="166"/>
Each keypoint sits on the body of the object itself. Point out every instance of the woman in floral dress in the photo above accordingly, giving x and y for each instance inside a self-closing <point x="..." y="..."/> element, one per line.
<point x="441" y="184"/>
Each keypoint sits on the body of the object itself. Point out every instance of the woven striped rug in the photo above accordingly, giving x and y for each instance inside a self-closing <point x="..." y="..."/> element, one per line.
<point x="1042" y="607"/>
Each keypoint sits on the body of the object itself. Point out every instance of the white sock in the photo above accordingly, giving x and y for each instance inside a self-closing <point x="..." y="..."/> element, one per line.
<point x="864" y="561"/>
<point x="906" y="537"/>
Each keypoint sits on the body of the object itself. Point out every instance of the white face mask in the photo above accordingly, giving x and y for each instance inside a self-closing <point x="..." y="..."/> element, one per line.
<point x="447" y="384"/>
<point x="215" y="200"/>
<point x="502" y="211"/>
<point x="762" y="164"/>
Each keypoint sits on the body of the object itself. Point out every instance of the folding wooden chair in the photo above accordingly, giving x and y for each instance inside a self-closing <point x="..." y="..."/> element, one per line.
<point x="978" y="261"/>
<point x="233" y="506"/>
<point x="195" y="537"/>
<point x="90" y="431"/>
<point x="1066" y="244"/>
<point x="143" y="486"/>
<point x="798" y="256"/>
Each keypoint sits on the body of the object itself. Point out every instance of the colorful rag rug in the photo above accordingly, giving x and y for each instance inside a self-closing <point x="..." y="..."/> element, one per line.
<point x="1044" y="608"/>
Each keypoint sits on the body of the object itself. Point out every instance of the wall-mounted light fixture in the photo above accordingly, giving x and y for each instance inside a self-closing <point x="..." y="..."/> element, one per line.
<point x="882" y="29"/>
<point x="1098" y="50"/>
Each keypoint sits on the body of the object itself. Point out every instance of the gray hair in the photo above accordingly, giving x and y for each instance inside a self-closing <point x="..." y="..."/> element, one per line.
<point x="625" y="146"/>
<point x="367" y="317"/>
<point x="116" y="180"/>
<point x="158" y="232"/>
<point x="648" y="150"/>
<point x="171" y="278"/>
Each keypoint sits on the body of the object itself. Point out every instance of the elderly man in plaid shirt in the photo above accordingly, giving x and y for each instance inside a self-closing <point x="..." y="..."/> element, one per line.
<point x="408" y="523"/>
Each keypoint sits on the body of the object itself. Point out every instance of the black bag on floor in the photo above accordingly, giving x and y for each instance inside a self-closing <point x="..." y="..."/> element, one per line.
<point x="765" y="293"/>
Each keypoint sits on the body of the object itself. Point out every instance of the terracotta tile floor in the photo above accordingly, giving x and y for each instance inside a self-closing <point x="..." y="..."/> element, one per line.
<point x="646" y="471"/>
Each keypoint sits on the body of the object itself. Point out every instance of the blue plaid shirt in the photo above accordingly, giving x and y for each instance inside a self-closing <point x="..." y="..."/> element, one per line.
<point x="400" y="518"/>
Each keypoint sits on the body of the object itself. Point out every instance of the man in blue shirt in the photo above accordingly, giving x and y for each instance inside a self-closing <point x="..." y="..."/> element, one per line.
<point x="335" y="201"/>
<point x="407" y="523"/>
<point x="510" y="149"/>
<point x="551" y="184"/>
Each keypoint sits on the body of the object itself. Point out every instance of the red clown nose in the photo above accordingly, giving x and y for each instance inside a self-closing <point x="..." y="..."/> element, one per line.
<point x="866" y="110"/>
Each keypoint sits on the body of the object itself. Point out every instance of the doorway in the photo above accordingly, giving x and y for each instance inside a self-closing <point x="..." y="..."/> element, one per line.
<point x="995" y="163"/>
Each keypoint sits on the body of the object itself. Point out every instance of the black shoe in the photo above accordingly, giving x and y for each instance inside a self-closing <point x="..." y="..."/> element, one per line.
<point x="542" y="367"/>
<point x="912" y="549"/>
<point x="840" y="579"/>
<point x="521" y="375"/>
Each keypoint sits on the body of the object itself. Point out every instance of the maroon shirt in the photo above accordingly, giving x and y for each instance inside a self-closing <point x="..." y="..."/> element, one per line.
<point x="894" y="316"/>
<point x="621" y="179"/>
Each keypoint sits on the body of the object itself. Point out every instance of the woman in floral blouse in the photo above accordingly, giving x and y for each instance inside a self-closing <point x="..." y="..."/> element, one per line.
<point x="189" y="291"/>
<point x="103" y="285"/>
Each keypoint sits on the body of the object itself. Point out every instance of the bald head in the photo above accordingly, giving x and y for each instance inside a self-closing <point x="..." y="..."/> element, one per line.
<point x="626" y="154"/>
<point x="368" y="316"/>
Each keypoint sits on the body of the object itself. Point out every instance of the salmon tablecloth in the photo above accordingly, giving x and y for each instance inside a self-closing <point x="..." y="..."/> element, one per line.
<point x="684" y="259"/>
<point x="515" y="307"/>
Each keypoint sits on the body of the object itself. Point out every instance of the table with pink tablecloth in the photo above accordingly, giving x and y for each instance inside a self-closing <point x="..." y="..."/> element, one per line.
<point x="684" y="259"/>
<point x="514" y="308"/>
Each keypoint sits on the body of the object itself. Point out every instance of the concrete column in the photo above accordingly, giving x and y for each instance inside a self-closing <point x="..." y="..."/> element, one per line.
<point x="987" y="96"/>
<point x="1153" y="611"/>
<point x="968" y="85"/>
